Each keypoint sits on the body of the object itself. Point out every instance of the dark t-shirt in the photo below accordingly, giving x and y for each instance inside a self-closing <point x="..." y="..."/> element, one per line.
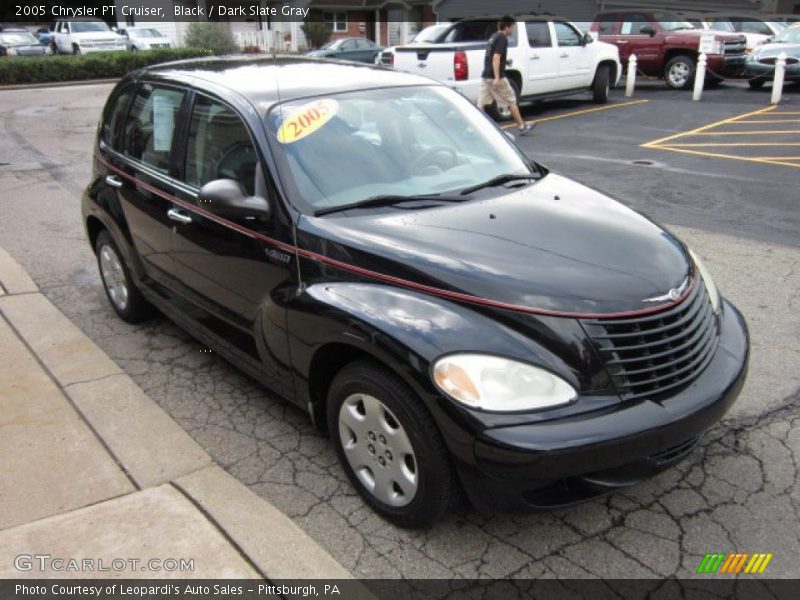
<point x="498" y="44"/>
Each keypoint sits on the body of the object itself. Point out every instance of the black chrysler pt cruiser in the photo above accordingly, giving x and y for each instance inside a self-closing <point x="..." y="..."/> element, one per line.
<point x="369" y="246"/>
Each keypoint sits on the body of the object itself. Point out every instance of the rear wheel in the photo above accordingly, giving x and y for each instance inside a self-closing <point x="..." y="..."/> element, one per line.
<point x="601" y="86"/>
<point x="125" y="298"/>
<point x="389" y="446"/>
<point x="679" y="72"/>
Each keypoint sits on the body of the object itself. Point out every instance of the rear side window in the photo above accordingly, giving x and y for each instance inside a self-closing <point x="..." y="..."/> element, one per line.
<point x="111" y="131"/>
<point x="539" y="35"/>
<point x="219" y="146"/>
<point x="150" y="128"/>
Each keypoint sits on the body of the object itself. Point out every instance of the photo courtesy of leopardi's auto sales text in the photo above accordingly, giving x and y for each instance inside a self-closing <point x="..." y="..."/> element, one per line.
<point x="399" y="299"/>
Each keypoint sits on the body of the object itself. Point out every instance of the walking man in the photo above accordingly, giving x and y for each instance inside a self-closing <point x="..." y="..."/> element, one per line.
<point x="495" y="86"/>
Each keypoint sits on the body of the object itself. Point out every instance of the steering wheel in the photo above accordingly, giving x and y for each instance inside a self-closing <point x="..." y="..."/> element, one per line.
<point x="426" y="159"/>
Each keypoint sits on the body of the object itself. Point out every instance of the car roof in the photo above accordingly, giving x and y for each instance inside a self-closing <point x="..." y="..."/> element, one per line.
<point x="265" y="81"/>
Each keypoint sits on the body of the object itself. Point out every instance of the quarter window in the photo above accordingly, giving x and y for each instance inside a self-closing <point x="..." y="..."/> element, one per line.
<point x="219" y="146"/>
<point x="112" y="131"/>
<point x="150" y="128"/>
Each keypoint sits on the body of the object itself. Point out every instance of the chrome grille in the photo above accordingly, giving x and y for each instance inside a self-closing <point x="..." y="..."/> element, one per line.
<point x="651" y="355"/>
<point x="735" y="48"/>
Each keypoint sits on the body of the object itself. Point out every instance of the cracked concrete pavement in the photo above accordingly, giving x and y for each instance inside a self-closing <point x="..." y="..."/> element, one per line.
<point x="737" y="492"/>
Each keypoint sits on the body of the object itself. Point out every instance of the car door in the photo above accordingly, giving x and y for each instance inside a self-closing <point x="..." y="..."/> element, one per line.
<point x="575" y="59"/>
<point x="637" y="40"/>
<point x="348" y="50"/>
<point x="542" y="58"/>
<point x="143" y="173"/>
<point x="232" y="270"/>
<point x="366" y="51"/>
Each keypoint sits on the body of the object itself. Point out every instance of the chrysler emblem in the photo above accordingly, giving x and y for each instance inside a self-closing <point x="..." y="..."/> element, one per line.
<point x="672" y="295"/>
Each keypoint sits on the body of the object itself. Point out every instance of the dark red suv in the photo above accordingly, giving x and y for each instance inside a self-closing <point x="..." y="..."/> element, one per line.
<point x="667" y="46"/>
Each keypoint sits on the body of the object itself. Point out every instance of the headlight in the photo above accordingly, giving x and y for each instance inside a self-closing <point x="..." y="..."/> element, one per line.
<point x="499" y="384"/>
<point x="713" y="293"/>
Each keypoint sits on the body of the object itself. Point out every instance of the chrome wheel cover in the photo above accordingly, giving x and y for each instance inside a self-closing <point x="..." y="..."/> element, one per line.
<point x="378" y="450"/>
<point x="113" y="277"/>
<point x="679" y="74"/>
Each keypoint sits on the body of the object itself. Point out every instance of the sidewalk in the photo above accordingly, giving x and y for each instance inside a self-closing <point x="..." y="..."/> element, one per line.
<point x="92" y="469"/>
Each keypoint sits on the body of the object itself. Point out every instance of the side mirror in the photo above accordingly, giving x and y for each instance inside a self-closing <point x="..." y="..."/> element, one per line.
<point x="586" y="39"/>
<point x="227" y="198"/>
<point x="647" y="30"/>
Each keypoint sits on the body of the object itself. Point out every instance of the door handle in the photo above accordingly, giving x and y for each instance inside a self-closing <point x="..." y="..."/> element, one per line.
<point x="535" y="57"/>
<point x="622" y="42"/>
<point x="565" y="55"/>
<point x="113" y="181"/>
<point x="179" y="216"/>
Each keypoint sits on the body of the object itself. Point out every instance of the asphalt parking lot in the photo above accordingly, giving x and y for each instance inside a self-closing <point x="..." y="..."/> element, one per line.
<point x="734" y="198"/>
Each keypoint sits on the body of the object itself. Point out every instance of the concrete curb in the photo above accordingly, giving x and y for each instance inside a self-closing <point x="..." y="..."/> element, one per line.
<point x="147" y="444"/>
<point x="55" y="84"/>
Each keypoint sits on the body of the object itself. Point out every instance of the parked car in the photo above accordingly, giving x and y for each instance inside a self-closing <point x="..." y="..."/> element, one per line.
<point x="144" y="38"/>
<point x="82" y="36"/>
<point x="760" y="66"/>
<point x="667" y="45"/>
<point x="45" y="36"/>
<point x="432" y="34"/>
<point x="353" y="48"/>
<point x="12" y="27"/>
<point x="717" y="23"/>
<point x="546" y="58"/>
<point x="369" y="246"/>
<point x="756" y="24"/>
<point x="21" y="43"/>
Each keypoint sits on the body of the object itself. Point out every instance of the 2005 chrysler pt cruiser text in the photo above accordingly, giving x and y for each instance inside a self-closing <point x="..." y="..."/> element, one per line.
<point x="371" y="247"/>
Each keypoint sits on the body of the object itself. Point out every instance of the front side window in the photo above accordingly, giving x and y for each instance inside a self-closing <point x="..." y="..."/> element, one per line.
<point x="219" y="146"/>
<point x="150" y="128"/>
<point x="88" y="26"/>
<point x="337" y="22"/>
<point x="347" y="147"/>
<point x="633" y="23"/>
<point x="567" y="35"/>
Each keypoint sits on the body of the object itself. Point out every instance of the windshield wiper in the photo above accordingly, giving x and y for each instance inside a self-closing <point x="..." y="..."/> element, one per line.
<point x="387" y="200"/>
<point x="500" y="180"/>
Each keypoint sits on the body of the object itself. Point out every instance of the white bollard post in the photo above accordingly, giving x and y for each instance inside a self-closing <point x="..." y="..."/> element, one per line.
<point x="700" y="77"/>
<point x="777" y="83"/>
<point x="630" y="82"/>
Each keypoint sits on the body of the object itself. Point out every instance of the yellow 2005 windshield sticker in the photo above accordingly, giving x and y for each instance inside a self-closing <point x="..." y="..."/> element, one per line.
<point x="306" y="119"/>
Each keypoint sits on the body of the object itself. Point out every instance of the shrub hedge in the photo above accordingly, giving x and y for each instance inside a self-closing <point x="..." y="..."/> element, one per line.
<point x="99" y="65"/>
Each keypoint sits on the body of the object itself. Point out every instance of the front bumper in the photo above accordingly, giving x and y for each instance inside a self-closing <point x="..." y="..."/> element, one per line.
<point x="755" y="69"/>
<point x="93" y="49"/>
<point x="560" y="462"/>
<point x="726" y="64"/>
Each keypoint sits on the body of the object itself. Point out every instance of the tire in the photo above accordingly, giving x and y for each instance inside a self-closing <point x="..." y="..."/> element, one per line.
<point x="679" y="72"/>
<point x="381" y="420"/>
<point x="601" y="86"/>
<point x="76" y="50"/>
<point x="125" y="298"/>
<point x="134" y="49"/>
<point x="756" y="84"/>
<point x="504" y="114"/>
<point x="54" y="48"/>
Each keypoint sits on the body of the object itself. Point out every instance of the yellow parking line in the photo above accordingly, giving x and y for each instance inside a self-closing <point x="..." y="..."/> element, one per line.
<point x="767" y="122"/>
<point x="730" y="144"/>
<point x="657" y="143"/>
<point x="729" y="156"/>
<point x="786" y="113"/>
<point x="581" y="112"/>
<point x="776" y="132"/>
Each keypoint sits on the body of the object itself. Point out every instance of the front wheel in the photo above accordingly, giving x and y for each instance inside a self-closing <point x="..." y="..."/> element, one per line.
<point x="679" y="72"/>
<point x="76" y="50"/>
<point x="756" y="84"/>
<point x="601" y="86"/>
<point x="389" y="446"/>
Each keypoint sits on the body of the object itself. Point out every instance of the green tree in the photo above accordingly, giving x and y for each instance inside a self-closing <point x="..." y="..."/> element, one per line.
<point x="316" y="33"/>
<point x="214" y="37"/>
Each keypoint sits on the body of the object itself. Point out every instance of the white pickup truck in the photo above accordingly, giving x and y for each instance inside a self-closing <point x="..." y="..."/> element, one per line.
<point x="547" y="57"/>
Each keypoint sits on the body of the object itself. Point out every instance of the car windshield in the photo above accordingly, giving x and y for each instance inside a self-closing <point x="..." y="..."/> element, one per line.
<point x="721" y="25"/>
<point x="789" y="36"/>
<point x="144" y="33"/>
<point x="17" y="38"/>
<point x="777" y="25"/>
<point x="405" y="141"/>
<point x="86" y="26"/>
<point x="671" y="22"/>
<point x="331" y="45"/>
<point x="430" y="34"/>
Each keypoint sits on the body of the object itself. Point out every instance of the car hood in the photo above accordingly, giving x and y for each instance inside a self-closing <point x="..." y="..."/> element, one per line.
<point x="773" y="50"/>
<point x="723" y="36"/>
<point x="97" y="36"/>
<point x="555" y="246"/>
